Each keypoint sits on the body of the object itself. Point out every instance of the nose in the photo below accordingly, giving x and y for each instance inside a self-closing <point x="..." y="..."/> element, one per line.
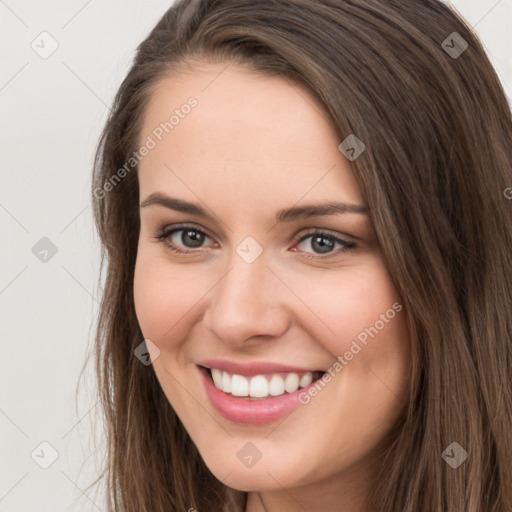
<point x="246" y="303"/>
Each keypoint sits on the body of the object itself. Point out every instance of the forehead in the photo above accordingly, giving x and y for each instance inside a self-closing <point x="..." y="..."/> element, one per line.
<point x="248" y="134"/>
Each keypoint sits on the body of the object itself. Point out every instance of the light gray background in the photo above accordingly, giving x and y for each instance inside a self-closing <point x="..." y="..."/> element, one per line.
<point x="52" y="113"/>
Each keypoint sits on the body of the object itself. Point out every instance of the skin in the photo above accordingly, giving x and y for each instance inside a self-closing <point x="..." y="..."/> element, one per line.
<point x="252" y="146"/>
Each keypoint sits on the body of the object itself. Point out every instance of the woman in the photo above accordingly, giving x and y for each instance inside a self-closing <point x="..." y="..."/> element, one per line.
<point x="304" y="213"/>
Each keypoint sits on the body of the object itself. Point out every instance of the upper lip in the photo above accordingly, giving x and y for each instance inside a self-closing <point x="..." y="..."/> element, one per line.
<point x="251" y="369"/>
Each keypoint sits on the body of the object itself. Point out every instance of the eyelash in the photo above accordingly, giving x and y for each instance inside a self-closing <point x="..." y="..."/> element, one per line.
<point x="164" y="235"/>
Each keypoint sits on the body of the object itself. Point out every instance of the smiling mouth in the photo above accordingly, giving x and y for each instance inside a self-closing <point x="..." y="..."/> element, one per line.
<point x="259" y="387"/>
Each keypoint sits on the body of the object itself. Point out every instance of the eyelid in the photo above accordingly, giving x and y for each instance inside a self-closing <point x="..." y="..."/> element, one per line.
<point x="298" y="237"/>
<point x="167" y="230"/>
<point x="301" y="235"/>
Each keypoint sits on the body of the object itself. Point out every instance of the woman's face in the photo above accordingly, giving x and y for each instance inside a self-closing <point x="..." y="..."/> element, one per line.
<point x="269" y="285"/>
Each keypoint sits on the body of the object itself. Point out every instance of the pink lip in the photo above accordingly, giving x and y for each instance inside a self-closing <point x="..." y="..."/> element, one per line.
<point x="251" y="369"/>
<point x="251" y="412"/>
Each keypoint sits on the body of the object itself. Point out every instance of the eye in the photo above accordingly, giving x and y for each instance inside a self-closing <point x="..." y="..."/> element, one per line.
<point x="189" y="239"/>
<point x="183" y="238"/>
<point x="323" y="243"/>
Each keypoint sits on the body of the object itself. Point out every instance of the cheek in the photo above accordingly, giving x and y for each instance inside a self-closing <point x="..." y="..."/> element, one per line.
<point x="340" y="306"/>
<point x="357" y="303"/>
<point x="164" y="296"/>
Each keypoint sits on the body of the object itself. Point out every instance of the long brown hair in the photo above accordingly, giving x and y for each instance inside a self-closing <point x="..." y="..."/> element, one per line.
<point x="437" y="129"/>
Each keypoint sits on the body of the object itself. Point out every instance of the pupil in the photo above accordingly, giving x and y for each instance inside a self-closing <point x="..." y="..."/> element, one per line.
<point x="322" y="247"/>
<point x="196" y="238"/>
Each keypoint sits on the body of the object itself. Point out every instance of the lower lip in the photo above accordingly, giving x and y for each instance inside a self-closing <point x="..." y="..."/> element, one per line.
<point x="251" y="412"/>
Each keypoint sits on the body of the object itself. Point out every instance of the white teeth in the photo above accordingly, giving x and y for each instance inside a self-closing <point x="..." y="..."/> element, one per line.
<point x="291" y="384"/>
<point x="260" y="386"/>
<point x="226" y="382"/>
<point x="217" y="377"/>
<point x="306" y="380"/>
<point x="276" y="386"/>
<point x="239" y="385"/>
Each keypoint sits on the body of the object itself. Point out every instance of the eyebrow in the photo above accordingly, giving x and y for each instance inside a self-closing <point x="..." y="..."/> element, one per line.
<point x="285" y="215"/>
